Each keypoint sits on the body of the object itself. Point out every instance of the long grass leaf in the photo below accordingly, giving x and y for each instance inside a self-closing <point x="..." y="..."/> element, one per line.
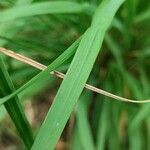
<point x="14" y="108"/>
<point x="75" y="141"/>
<point x="41" y="8"/>
<point x="103" y="126"/>
<point x="83" y="126"/>
<point x="76" y="76"/>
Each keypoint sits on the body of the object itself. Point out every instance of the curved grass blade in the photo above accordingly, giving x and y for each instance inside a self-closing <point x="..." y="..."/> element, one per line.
<point x="76" y="76"/>
<point x="14" y="107"/>
<point x="41" y="8"/>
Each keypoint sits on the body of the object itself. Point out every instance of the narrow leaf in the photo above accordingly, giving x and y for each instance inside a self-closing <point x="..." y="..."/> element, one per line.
<point x="76" y="76"/>
<point x="41" y="8"/>
<point x="14" y="108"/>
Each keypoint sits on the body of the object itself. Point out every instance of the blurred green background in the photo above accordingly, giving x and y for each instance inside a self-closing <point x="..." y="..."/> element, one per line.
<point x="122" y="67"/>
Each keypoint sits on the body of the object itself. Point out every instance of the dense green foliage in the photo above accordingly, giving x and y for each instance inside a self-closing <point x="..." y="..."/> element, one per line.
<point x="102" y="42"/>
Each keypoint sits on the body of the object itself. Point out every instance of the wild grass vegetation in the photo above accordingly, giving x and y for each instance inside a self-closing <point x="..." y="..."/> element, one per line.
<point x="103" y="41"/>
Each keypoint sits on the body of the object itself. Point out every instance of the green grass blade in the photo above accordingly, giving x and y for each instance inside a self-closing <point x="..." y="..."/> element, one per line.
<point x="41" y="8"/>
<point x="14" y="108"/>
<point x="9" y="29"/>
<point x="75" y="141"/>
<point x="45" y="74"/>
<point x="83" y="123"/>
<point x="144" y="111"/>
<point x="140" y="116"/>
<point x="103" y="125"/>
<point x="148" y="133"/>
<point x="143" y="16"/>
<point x="135" y="139"/>
<point x="76" y="76"/>
<point x="113" y="135"/>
